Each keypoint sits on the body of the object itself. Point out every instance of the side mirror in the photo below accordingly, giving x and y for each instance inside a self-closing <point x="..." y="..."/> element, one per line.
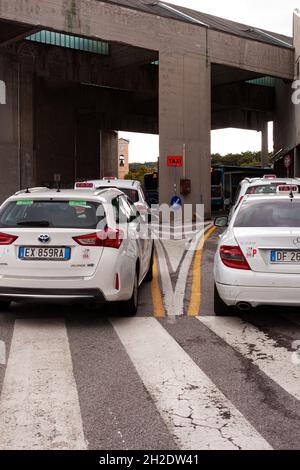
<point x="221" y="222"/>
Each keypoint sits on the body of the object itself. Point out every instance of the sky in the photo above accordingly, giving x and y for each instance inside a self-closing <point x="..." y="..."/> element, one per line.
<point x="271" y="15"/>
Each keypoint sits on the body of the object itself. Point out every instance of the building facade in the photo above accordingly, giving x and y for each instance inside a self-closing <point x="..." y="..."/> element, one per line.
<point x="123" y="154"/>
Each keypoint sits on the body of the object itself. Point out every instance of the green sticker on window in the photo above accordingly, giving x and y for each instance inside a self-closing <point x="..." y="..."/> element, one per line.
<point x="24" y="203"/>
<point x="78" y="203"/>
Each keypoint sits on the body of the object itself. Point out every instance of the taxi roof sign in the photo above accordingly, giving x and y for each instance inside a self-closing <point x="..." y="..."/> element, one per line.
<point x="269" y="177"/>
<point x="84" y="185"/>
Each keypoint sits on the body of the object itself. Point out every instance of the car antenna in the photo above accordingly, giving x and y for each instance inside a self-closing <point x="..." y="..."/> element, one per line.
<point x="27" y="191"/>
<point x="58" y="187"/>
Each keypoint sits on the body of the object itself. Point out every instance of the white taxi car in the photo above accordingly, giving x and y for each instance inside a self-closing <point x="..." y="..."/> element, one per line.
<point x="258" y="257"/>
<point x="72" y="246"/>
<point x="266" y="185"/>
<point x="133" y="190"/>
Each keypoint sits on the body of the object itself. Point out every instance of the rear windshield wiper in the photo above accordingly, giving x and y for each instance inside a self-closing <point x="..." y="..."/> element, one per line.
<point x="34" y="223"/>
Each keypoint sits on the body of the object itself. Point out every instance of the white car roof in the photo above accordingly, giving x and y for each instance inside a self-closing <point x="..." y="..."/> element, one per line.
<point x="104" y="195"/>
<point x="130" y="184"/>
<point x="266" y="181"/>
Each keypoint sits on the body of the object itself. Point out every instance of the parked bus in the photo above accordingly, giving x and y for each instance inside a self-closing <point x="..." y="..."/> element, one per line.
<point x="151" y="188"/>
<point x="225" y="180"/>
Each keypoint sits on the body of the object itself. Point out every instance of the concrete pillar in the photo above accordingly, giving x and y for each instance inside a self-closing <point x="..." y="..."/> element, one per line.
<point x="297" y="162"/>
<point x="87" y="148"/>
<point x="9" y="135"/>
<point x="17" y="122"/>
<point x="265" y="145"/>
<point x="185" y="125"/>
<point x="55" y="128"/>
<point x="109" y="153"/>
<point x="26" y="122"/>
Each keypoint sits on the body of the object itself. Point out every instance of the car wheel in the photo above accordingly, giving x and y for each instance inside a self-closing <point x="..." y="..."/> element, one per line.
<point x="221" y="309"/>
<point x="131" y="306"/>
<point x="149" y="275"/>
<point x="4" y="306"/>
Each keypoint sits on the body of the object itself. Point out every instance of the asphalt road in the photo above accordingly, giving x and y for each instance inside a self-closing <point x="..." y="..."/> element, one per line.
<point x="172" y="378"/>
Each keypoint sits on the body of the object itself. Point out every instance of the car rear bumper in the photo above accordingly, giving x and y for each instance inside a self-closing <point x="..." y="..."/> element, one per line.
<point x="21" y="294"/>
<point x="255" y="296"/>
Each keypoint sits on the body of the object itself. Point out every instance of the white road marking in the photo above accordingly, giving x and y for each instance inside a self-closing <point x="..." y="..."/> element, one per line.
<point x="2" y="353"/>
<point x="196" y="413"/>
<point x="174" y="299"/>
<point x="39" y="406"/>
<point x="187" y="231"/>
<point x="264" y="352"/>
<point x="180" y="289"/>
<point x="175" y="249"/>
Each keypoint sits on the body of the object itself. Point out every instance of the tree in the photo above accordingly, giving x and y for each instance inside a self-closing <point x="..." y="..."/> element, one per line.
<point x="138" y="170"/>
<point x="243" y="159"/>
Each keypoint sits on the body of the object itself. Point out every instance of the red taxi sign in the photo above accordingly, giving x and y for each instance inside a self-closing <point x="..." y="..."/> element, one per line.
<point x="288" y="189"/>
<point x="175" y="161"/>
<point x="109" y="178"/>
<point x="269" y="177"/>
<point x="84" y="185"/>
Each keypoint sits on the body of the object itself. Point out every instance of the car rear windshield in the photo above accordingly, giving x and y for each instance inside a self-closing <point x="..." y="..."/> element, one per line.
<point x="267" y="188"/>
<point x="57" y="214"/>
<point x="279" y="213"/>
<point x="131" y="193"/>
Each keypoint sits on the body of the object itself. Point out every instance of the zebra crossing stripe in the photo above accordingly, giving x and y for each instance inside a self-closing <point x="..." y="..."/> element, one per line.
<point x="196" y="412"/>
<point x="39" y="406"/>
<point x="174" y="298"/>
<point x="275" y="361"/>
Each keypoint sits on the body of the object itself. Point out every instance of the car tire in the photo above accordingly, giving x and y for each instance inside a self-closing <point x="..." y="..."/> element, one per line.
<point x="220" y="308"/>
<point x="4" y="305"/>
<point x="130" y="307"/>
<point x="149" y="275"/>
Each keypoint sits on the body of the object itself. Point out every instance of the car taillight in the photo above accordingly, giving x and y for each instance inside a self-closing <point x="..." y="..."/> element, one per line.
<point x="241" y="198"/>
<point x="6" y="239"/>
<point x="108" y="238"/>
<point x="232" y="257"/>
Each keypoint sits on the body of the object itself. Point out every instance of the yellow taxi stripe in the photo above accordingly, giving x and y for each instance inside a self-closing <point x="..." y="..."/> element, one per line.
<point x="159" y="310"/>
<point x="195" y="301"/>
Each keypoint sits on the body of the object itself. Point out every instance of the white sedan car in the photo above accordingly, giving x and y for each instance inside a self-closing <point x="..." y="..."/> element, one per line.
<point x="258" y="257"/>
<point x="72" y="246"/>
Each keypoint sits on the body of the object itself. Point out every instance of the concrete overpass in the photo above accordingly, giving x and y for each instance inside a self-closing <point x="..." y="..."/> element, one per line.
<point x="75" y="70"/>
